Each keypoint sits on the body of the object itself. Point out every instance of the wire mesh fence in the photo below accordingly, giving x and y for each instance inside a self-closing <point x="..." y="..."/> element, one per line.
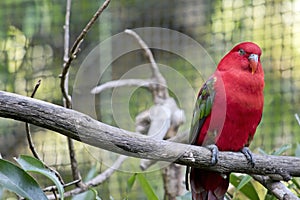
<point x="31" y="48"/>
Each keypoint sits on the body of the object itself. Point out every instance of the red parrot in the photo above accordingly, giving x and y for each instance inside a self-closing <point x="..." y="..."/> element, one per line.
<point x="227" y="111"/>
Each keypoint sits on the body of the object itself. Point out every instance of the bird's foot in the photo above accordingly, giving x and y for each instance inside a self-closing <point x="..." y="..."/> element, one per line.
<point x="214" y="153"/>
<point x="248" y="154"/>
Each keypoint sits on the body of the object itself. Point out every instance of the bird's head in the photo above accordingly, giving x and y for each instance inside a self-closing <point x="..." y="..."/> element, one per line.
<point x="245" y="56"/>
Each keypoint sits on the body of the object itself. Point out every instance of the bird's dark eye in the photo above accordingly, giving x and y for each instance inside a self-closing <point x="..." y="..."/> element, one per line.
<point x="242" y="52"/>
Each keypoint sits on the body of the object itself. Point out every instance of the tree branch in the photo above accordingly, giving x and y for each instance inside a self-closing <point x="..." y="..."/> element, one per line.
<point x="67" y="98"/>
<point x="95" y="181"/>
<point x="161" y="121"/>
<point x="165" y="117"/>
<point x="75" y="49"/>
<point x="85" y="129"/>
<point x="27" y="128"/>
<point x="68" y="58"/>
<point x="30" y="141"/>
<point x="121" y="83"/>
<point x="276" y="187"/>
<point x="160" y="90"/>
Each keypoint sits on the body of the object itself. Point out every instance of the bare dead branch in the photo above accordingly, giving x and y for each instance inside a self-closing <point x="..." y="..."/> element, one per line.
<point x="67" y="98"/>
<point x="66" y="45"/>
<point x="27" y="128"/>
<point x="97" y="180"/>
<point x="165" y="116"/>
<point x="276" y="187"/>
<point x="163" y="103"/>
<point x="155" y="71"/>
<point x="160" y="89"/>
<point x="107" y="173"/>
<point x="161" y="119"/>
<point x="75" y="49"/>
<point x="53" y="187"/>
<point x="36" y="87"/>
<point x="30" y="141"/>
<point x="85" y="129"/>
<point x="121" y="83"/>
<point x="73" y="161"/>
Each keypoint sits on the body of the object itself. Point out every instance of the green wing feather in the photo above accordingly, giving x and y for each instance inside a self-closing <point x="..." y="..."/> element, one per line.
<point x="202" y="108"/>
<point x="201" y="111"/>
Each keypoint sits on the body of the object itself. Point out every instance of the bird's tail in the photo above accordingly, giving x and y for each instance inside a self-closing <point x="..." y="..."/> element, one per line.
<point x="208" y="185"/>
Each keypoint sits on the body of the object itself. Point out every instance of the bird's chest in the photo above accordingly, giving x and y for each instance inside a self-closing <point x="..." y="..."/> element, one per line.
<point x="243" y="99"/>
<point x="235" y="115"/>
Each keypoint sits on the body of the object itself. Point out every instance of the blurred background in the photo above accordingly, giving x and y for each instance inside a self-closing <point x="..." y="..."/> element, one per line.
<point x="31" y="48"/>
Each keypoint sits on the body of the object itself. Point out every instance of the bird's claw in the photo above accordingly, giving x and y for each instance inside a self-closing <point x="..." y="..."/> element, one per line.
<point x="248" y="154"/>
<point x="214" y="153"/>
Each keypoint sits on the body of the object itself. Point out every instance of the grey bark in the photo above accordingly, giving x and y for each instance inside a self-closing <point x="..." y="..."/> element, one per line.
<point x="88" y="130"/>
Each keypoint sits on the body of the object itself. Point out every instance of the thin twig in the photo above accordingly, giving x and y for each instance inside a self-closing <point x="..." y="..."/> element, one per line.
<point x="27" y="128"/>
<point x="68" y="58"/>
<point x="66" y="48"/>
<point x="75" y="49"/>
<point x="121" y="83"/>
<point x="54" y="193"/>
<point x="30" y="141"/>
<point x="37" y="85"/>
<point x="54" y="187"/>
<point x="67" y="100"/>
<point x="160" y="91"/>
<point x="74" y="165"/>
<point x="97" y="180"/>
<point x="165" y="120"/>
<point x="149" y="54"/>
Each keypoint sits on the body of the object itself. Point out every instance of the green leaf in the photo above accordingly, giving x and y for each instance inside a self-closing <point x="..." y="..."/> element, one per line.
<point x="261" y="151"/>
<point x="270" y="197"/>
<point x="31" y="164"/>
<point x="297" y="118"/>
<point x="87" y="195"/>
<point x="91" y="174"/>
<point x="130" y="182"/>
<point x="91" y="194"/>
<point x="245" y="180"/>
<point x="150" y="194"/>
<point x="248" y="189"/>
<point x="17" y="180"/>
<point x="95" y="192"/>
<point x="281" y="150"/>
<point x="295" y="182"/>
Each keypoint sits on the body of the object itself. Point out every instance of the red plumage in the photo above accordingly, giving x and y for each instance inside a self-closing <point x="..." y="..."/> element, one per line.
<point x="232" y="100"/>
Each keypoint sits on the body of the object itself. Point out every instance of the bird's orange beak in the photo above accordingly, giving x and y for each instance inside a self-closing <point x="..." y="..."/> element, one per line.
<point x="253" y="60"/>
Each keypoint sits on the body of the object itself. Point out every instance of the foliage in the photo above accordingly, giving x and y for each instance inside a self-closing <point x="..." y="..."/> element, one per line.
<point x="91" y="193"/>
<point x="145" y="185"/>
<point x="17" y="179"/>
<point x="31" y="47"/>
<point x="245" y="186"/>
